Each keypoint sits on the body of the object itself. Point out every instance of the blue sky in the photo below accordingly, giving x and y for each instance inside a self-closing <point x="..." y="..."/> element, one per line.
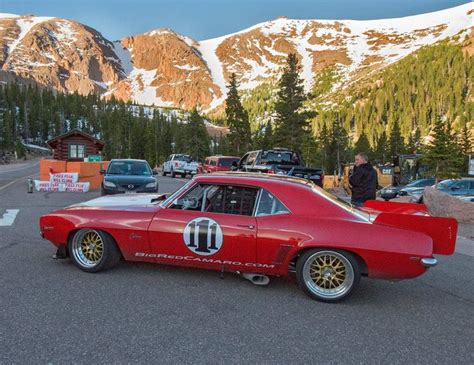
<point x="212" y="18"/>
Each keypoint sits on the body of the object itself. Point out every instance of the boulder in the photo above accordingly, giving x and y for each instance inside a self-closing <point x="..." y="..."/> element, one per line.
<point x="444" y="205"/>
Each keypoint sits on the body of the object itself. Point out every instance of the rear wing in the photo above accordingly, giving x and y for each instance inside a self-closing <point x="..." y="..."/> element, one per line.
<point x="442" y="231"/>
<point x="396" y="207"/>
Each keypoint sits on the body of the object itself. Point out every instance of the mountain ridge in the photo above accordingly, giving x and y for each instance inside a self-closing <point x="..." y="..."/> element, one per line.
<point x="165" y="68"/>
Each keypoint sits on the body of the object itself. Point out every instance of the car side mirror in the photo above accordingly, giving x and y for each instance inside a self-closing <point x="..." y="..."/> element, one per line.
<point x="102" y="171"/>
<point x="155" y="173"/>
<point x="453" y="188"/>
<point x="159" y="198"/>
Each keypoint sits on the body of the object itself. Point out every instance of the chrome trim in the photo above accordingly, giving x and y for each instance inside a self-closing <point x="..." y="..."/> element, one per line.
<point x="429" y="262"/>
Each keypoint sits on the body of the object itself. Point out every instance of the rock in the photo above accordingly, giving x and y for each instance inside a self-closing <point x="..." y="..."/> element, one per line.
<point x="444" y="205"/>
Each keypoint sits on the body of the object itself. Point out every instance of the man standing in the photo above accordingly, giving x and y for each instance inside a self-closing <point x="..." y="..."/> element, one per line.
<point x="363" y="180"/>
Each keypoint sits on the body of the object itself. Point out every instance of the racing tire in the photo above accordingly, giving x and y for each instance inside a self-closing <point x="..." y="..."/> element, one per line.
<point x="328" y="275"/>
<point x="93" y="250"/>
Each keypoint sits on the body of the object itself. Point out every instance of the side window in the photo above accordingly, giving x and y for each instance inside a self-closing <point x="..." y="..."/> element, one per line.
<point x="206" y="161"/>
<point x="252" y="158"/>
<point x="192" y="200"/>
<point x="230" y="199"/>
<point x="213" y="162"/>
<point x="270" y="205"/>
<point x="463" y="185"/>
<point x="244" y="160"/>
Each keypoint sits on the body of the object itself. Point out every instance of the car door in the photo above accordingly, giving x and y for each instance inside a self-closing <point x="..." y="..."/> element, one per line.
<point x="210" y="226"/>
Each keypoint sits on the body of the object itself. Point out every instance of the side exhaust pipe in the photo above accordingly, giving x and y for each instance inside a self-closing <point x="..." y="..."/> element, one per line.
<point x="257" y="279"/>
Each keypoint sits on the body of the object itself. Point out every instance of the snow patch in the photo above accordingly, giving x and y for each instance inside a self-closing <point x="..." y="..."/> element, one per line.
<point x="25" y="25"/>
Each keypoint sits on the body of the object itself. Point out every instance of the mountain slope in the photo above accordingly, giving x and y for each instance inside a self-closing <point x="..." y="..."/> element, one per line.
<point x="167" y="69"/>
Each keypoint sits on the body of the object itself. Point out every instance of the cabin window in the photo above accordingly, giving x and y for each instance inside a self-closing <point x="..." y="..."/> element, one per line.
<point x="77" y="150"/>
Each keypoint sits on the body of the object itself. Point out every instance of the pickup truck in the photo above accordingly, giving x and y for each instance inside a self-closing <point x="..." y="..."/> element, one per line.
<point x="179" y="164"/>
<point x="279" y="161"/>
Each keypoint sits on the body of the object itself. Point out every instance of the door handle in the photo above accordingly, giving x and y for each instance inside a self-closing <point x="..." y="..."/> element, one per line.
<point x="249" y="226"/>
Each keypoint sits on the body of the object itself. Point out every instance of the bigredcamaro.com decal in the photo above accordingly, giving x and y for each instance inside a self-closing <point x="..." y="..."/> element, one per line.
<point x="202" y="259"/>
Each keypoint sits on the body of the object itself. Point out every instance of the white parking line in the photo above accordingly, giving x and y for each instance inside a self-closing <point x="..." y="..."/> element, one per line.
<point x="8" y="217"/>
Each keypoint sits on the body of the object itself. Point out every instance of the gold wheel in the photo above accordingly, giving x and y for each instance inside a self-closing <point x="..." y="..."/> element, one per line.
<point x="328" y="275"/>
<point x="88" y="248"/>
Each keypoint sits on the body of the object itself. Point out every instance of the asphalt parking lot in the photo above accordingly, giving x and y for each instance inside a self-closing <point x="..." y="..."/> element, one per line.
<point x="50" y="312"/>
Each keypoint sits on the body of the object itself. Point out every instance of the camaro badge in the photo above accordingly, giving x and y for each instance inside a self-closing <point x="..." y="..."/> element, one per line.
<point x="203" y="236"/>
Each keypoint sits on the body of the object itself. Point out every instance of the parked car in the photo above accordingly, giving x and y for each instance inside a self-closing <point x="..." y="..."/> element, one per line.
<point x="179" y="164"/>
<point x="458" y="187"/>
<point x="219" y="163"/>
<point x="454" y="187"/>
<point x="256" y="225"/>
<point x="280" y="161"/>
<point x="392" y="192"/>
<point x="128" y="176"/>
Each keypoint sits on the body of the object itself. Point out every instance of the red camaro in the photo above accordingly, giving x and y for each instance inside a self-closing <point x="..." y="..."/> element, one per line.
<point x="256" y="225"/>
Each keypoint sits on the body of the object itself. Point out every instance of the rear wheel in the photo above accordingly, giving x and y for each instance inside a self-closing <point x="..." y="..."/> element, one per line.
<point x="93" y="250"/>
<point x="328" y="275"/>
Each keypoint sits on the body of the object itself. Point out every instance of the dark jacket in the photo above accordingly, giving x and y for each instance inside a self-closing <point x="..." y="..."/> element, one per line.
<point x="364" y="182"/>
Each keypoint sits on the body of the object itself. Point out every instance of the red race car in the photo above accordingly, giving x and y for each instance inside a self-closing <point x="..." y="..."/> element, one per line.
<point x="256" y="225"/>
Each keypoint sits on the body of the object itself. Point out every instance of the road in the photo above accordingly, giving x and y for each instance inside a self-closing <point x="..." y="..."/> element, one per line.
<point x="50" y="312"/>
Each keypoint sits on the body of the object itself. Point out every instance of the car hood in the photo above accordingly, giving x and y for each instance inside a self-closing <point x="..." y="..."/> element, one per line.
<point x="121" y="200"/>
<point x="129" y="179"/>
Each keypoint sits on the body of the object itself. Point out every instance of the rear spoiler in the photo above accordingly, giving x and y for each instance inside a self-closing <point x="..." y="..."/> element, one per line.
<point x="442" y="231"/>
<point x="396" y="207"/>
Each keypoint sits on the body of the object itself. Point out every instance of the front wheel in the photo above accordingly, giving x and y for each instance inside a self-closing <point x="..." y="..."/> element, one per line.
<point x="92" y="250"/>
<point x="328" y="275"/>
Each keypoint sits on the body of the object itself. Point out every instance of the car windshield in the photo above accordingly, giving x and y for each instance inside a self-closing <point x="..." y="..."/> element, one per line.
<point x="280" y="157"/>
<point x="341" y="202"/>
<point x="176" y="194"/>
<point x="227" y="162"/>
<point x="419" y="183"/>
<point x="446" y="184"/>
<point x="185" y="158"/>
<point x="129" y="168"/>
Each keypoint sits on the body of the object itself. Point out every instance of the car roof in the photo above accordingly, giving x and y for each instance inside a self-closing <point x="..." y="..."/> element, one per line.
<point x="127" y="159"/>
<point x="253" y="178"/>
<point x="222" y="156"/>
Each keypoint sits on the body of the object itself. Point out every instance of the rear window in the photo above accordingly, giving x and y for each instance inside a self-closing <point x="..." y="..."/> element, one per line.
<point x="227" y="162"/>
<point x="280" y="157"/>
<point x="186" y="158"/>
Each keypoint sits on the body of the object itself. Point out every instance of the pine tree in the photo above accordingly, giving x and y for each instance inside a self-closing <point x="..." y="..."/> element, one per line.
<point x="363" y="145"/>
<point x="237" y="118"/>
<point x="396" y="143"/>
<point x="381" y="152"/>
<point x="443" y="155"/>
<point x="291" y="126"/>
<point x="197" y="138"/>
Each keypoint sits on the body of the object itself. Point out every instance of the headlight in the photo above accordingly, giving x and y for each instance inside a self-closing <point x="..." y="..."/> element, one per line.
<point x="109" y="184"/>
<point x="151" y="185"/>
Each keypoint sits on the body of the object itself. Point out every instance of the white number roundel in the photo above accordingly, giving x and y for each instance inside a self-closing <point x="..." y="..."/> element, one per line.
<point x="203" y="236"/>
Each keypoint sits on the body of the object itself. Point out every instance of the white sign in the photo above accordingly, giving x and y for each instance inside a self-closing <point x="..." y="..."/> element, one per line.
<point x="64" y="177"/>
<point x="78" y="187"/>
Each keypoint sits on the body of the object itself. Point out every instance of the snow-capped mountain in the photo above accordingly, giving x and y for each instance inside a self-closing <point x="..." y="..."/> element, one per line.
<point x="163" y="68"/>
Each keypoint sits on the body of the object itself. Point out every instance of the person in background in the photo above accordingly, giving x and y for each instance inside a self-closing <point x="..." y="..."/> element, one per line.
<point x="363" y="180"/>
